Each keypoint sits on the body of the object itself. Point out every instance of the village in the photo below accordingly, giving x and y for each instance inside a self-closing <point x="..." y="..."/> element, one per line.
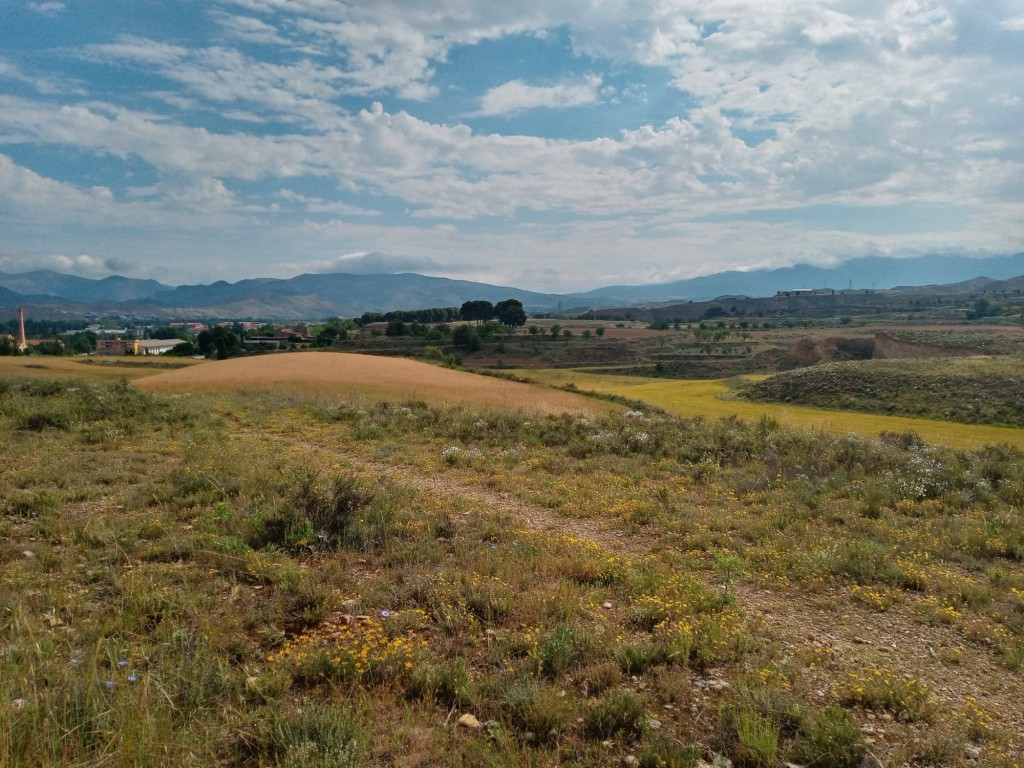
<point x="176" y="338"/>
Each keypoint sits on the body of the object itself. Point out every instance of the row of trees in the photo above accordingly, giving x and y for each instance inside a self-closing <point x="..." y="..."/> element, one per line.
<point x="509" y="312"/>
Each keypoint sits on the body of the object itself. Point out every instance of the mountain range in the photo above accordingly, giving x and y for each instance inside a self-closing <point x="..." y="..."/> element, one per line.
<point x="314" y="296"/>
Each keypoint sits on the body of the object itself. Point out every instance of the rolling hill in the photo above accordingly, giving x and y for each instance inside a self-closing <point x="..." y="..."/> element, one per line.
<point x="347" y="295"/>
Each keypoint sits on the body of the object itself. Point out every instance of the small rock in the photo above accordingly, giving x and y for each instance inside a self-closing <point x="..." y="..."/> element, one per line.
<point x="721" y="761"/>
<point x="18" y="704"/>
<point x="607" y="606"/>
<point x="792" y="765"/>
<point x="607" y="743"/>
<point x="870" y="761"/>
<point x="631" y="760"/>
<point x="973" y="751"/>
<point x="861" y="640"/>
<point x="348" y="605"/>
<point x="654" y="725"/>
<point x="28" y="554"/>
<point x="711" y="684"/>
<point x="469" y="721"/>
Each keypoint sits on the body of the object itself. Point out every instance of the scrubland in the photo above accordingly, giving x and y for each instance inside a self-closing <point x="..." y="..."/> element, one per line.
<point x="974" y="390"/>
<point x="302" y="579"/>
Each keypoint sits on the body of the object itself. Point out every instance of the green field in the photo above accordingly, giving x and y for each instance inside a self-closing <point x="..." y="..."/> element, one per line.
<point x="713" y="399"/>
<point x="292" y="578"/>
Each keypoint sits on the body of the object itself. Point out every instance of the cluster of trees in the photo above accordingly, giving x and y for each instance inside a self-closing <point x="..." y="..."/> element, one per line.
<point x="431" y="315"/>
<point x="509" y="312"/>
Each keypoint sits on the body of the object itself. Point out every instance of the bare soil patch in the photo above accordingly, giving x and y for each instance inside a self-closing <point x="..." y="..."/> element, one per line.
<point x="395" y="379"/>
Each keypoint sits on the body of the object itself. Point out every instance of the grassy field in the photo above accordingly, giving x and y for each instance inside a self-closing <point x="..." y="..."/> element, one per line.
<point x="714" y="399"/>
<point x="92" y="368"/>
<point x="297" y="578"/>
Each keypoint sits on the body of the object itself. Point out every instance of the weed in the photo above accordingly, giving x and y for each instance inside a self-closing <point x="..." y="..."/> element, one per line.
<point x="666" y="752"/>
<point x="832" y="737"/>
<point x="753" y="739"/>
<point x="617" y="712"/>
<point x="881" y="688"/>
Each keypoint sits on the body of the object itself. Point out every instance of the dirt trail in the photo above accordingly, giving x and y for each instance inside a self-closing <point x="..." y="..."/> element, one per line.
<point x="847" y="635"/>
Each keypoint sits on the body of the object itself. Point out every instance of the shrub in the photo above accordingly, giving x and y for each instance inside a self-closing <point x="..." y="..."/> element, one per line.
<point x="618" y="712"/>
<point x="538" y="710"/>
<point x="319" y="735"/>
<point x="665" y="752"/>
<point x="752" y="738"/>
<point x="332" y="508"/>
<point x="832" y="737"/>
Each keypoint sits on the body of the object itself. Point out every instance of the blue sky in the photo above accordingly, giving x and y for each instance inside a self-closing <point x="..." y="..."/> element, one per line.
<point x="549" y="144"/>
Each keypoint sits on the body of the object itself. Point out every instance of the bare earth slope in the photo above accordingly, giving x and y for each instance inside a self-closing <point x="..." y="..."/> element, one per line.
<point x="395" y="379"/>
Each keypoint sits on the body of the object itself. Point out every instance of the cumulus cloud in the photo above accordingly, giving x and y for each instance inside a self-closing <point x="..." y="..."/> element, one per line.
<point x="783" y="105"/>
<point x="516" y="96"/>
<point x="82" y="265"/>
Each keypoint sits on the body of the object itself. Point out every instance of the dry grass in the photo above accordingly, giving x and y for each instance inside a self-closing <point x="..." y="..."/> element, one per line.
<point x="369" y="378"/>
<point x="92" y="368"/>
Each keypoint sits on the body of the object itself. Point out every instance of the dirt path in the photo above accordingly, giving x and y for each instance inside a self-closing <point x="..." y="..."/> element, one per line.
<point x="831" y="626"/>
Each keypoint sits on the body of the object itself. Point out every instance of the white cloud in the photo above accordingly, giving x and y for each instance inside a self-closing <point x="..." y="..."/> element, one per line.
<point x="516" y="96"/>
<point x="49" y="8"/>
<point x="374" y="263"/>
<point x="317" y="205"/>
<point x="779" y="105"/>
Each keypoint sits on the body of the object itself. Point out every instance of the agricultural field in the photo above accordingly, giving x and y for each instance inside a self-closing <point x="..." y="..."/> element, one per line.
<point x="968" y="390"/>
<point x="296" y="577"/>
<point x="369" y="378"/>
<point x="720" y="399"/>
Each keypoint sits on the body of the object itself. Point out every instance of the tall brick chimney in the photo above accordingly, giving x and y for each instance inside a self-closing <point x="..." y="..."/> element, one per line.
<point x="22" y="341"/>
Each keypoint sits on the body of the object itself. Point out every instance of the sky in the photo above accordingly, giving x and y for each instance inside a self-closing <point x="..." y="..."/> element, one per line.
<point x="555" y="145"/>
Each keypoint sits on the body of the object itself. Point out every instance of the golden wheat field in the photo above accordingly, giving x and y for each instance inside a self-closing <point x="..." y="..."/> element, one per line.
<point x="370" y="378"/>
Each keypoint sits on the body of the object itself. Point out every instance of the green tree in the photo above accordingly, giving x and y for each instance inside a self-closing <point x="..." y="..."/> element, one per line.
<point x="476" y="311"/>
<point x="167" y="332"/>
<point x="184" y="349"/>
<point x="510" y="312"/>
<point x="219" y="340"/>
<point x="466" y="336"/>
<point x="81" y="343"/>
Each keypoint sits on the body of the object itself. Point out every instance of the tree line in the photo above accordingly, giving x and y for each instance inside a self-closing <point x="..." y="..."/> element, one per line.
<point x="509" y="312"/>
